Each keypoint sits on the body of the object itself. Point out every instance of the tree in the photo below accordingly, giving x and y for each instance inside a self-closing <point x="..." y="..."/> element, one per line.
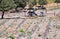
<point x="33" y="2"/>
<point x="6" y="5"/>
<point x="19" y="3"/>
<point x="22" y="3"/>
<point x="0" y="1"/>
<point x="57" y="1"/>
<point x="42" y="2"/>
<point x="27" y="1"/>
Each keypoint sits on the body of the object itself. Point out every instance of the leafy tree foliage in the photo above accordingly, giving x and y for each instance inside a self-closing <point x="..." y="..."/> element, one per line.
<point x="57" y="1"/>
<point x="20" y="3"/>
<point x="6" y="5"/>
<point x="33" y="2"/>
<point x="0" y="1"/>
<point x="42" y="2"/>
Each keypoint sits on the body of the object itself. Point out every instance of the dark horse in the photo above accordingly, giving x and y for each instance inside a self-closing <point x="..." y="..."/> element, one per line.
<point x="31" y="12"/>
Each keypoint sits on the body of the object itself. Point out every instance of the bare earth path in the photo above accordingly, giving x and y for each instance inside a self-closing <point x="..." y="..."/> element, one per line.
<point x="36" y="28"/>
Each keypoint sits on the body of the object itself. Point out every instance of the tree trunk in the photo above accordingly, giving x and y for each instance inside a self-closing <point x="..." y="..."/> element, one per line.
<point x="2" y="15"/>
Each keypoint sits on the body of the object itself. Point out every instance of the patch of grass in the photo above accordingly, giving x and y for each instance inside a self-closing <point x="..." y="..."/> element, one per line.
<point x="21" y="30"/>
<point x="28" y="32"/>
<point x="11" y="37"/>
<point x="58" y="26"/>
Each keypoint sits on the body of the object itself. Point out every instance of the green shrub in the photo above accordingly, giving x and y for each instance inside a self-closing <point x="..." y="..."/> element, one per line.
<point x="11" y="37"/>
